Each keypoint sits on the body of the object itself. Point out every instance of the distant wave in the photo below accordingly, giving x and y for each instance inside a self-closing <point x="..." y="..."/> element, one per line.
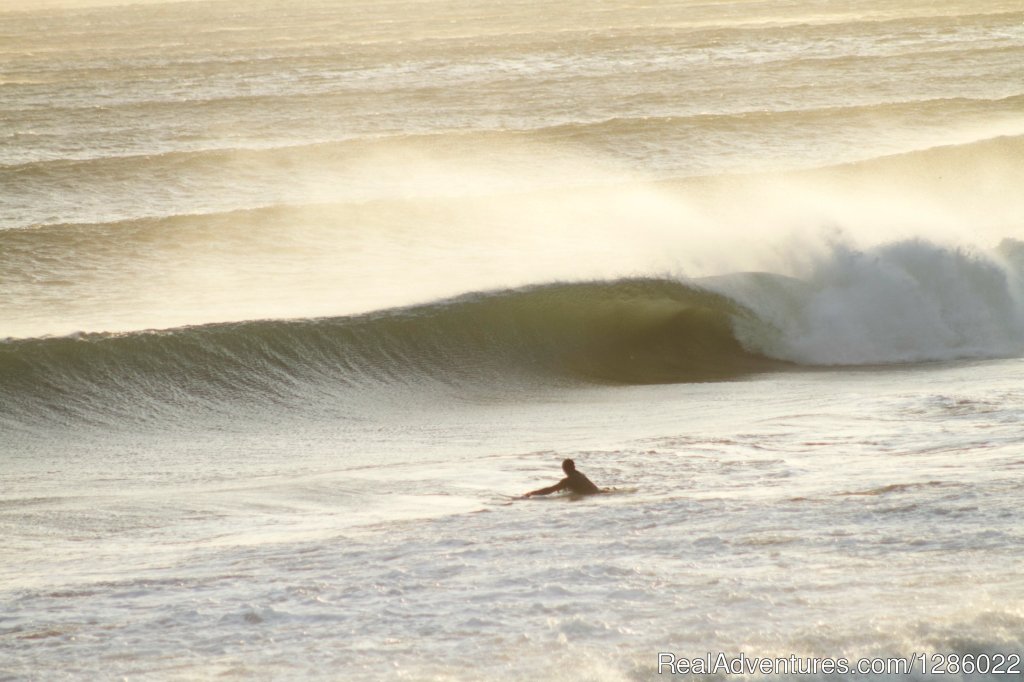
<point x="619" y="128"/>
<point x="939" y="169"/>
<point x="593" y="132"/>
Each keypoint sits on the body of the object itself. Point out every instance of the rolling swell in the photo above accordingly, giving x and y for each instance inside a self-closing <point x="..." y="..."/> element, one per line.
<point x="627" y="331"/>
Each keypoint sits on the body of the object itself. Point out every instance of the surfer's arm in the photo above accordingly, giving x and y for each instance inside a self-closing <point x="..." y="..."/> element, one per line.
<point x="547" y="491"/>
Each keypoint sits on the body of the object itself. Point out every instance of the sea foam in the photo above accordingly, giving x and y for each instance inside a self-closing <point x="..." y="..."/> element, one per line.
<point x="908" y="301"/>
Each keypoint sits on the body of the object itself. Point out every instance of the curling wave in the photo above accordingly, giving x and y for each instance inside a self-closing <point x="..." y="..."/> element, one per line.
<point x="905" y="302"/>
<point x="630" y="331"/>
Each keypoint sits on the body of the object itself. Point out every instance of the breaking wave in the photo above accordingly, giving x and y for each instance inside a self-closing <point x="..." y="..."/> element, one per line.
<point x="905" y="302"/>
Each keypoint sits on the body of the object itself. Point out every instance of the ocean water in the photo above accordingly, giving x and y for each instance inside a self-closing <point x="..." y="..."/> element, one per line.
<point x="298" y="299"/>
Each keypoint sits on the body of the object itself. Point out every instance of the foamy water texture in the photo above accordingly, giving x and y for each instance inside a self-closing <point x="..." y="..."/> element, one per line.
<point x="298" y="299"/>
<point x="907" y="301"/>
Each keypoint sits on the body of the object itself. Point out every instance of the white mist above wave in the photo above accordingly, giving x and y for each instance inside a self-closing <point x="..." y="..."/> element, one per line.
<point x="494" y="228"/>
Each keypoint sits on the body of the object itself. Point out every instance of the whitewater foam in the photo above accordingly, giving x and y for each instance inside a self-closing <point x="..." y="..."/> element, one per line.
<point x="909" y="301"/>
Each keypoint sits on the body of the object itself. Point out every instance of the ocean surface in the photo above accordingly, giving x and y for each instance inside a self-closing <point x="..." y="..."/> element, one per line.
<point x="297" y="299"/>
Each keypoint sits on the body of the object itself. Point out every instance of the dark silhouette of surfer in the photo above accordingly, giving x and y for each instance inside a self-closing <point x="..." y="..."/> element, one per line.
<point x="574" y="481"/>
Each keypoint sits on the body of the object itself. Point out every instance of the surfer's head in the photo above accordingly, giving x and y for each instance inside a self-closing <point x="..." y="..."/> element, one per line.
<point x="568" y="466"/>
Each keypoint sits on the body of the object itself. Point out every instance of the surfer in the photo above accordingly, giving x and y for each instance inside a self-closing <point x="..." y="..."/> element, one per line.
<point x="574" y="481"/>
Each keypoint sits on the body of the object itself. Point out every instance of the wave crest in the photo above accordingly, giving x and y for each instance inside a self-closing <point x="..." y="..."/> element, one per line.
<point x="904" y="302"/>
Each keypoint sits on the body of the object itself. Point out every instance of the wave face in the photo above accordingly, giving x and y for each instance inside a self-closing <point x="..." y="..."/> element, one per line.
<point x="633" y="331"/>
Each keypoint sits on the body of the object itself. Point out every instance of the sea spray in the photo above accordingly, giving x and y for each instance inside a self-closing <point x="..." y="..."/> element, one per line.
<point x="908" y="301"/>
